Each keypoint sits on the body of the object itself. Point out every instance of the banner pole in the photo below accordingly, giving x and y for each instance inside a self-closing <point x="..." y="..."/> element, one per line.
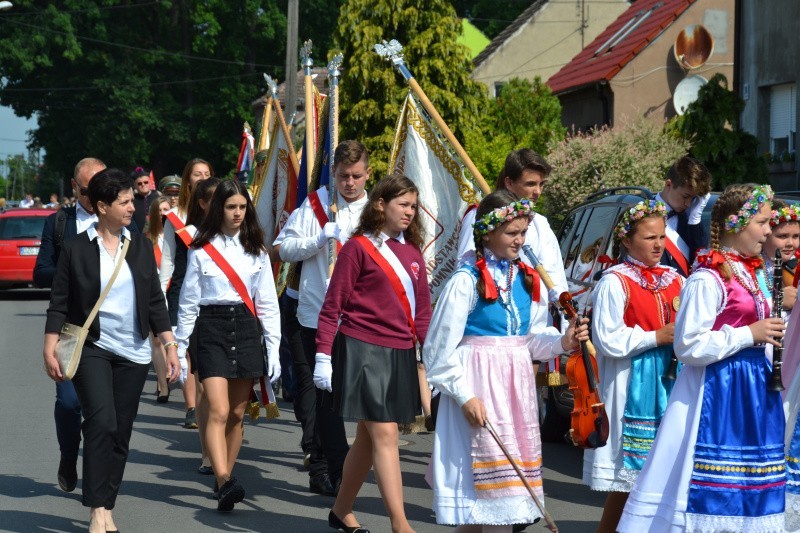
<point x="309" y="150"/>
<point x="392" y="51"/>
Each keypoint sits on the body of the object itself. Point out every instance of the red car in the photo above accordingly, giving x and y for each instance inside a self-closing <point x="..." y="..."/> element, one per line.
<point x="20" y="238"/>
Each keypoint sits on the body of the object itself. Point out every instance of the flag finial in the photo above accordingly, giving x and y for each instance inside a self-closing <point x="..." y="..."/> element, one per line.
<point x="305" y="55"/>
<point x="334" y="64"/>
<point x="393" y="51"/>
<point x="272" y="85"/>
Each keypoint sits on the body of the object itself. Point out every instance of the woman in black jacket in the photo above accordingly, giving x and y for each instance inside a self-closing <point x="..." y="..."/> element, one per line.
<point x="116" y="356"/>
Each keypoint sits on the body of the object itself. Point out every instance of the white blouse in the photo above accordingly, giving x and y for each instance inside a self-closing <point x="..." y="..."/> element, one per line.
<point x="457" y="300"/>
<point x="168" y="251"/>
<point x="206" y="284"/>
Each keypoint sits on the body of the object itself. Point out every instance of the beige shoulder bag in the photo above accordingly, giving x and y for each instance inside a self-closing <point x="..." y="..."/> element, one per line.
<point x="72" y="337"/>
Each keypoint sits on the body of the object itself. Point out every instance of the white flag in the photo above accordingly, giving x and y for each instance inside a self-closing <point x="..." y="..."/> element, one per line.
<point x="276" y="194"/>
<point x="444" y="191"/>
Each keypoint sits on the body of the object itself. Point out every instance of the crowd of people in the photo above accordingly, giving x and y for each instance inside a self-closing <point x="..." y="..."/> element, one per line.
<point x="191" y="288"/>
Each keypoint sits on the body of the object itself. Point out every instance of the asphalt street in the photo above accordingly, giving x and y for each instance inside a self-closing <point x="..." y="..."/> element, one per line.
<point x="162" y="491"/>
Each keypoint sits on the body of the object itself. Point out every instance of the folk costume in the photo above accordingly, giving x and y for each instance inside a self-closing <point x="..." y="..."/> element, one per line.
<point x="375" y="311"/>
<point x="717" y="463"/>
<point x="631" y="301"/>
<point x="481" y="348"/>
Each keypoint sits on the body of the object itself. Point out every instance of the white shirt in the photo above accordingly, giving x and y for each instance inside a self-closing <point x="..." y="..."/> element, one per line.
<point x="83" y="219"/>
<point x="206" y="284"/>
<point x="540" y="238"/>
<point x="298" y="242"/>
<point x="168" y="251"/>
<point x="119" y="320"/>
<point x="458" y="298"/>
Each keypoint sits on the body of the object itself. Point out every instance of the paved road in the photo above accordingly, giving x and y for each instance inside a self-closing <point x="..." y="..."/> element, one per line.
<point x="162" y="491"/>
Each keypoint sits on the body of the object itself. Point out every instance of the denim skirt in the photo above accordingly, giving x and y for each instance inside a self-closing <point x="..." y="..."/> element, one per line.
<point x="229" y="343"/>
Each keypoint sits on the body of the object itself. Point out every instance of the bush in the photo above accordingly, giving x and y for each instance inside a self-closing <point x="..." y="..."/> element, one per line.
<point x="634" y="153"/>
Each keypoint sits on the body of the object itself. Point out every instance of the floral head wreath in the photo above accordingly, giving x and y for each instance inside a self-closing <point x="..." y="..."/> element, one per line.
<point x="736" y="223"/>
<point x="499" y="216"/>
<point x="790" y="213"/>
<point x="639" y="211"/>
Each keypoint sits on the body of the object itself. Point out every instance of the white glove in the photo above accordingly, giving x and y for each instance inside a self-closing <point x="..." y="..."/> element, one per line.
<point x="327" y="283"/>
<point x="273" y="366"/>
<point x="329" y="231"/>
<point x="323" y="372"/>
<point x="695" y="214"/>
<point x="184" y="366"/>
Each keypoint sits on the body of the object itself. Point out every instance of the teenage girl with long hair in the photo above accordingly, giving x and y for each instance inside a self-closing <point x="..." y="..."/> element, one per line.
<point x="718" y="463"/>
<point x="155" y="232"/>
<point x="376" y="310"/>
<point x="233" y="329"/>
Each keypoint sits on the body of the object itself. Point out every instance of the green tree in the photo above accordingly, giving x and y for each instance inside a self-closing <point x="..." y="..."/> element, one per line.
<point x="372" y="92"/>
<point x="490" y="16"/>
<point x="138" y="83"/>
<point x="524" y="115"/>
<point x="711" y="126"/>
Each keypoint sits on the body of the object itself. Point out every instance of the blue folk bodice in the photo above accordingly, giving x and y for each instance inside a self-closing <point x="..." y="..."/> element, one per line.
<point x="505" y="316"/>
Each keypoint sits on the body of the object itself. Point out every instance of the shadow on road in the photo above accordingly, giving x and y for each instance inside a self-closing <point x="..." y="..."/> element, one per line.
<point x="24" y="522"/>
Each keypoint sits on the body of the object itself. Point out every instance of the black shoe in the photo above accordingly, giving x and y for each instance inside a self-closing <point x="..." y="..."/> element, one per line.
<point x="162" y="398"/>
<point x="215" y="492"/>
<point x="321" y="484"/>
<point x="229" y="494"/>
<point x="336" y="523"/>
<point x="205" y="470"/>
<point x="68" y="474"/>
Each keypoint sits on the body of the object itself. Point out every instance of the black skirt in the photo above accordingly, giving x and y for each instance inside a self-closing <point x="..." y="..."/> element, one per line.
<point x="229" y="343"/>
<point x="374" y="383"/>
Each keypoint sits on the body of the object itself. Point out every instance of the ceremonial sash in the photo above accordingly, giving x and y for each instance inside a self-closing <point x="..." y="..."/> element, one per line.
<point x="177" y="223"/>
<point x="241" y="289"/>
<point x="678" y="249"/>
<point x="320" y="214"/>
<point x="398" y="277"/>
<point x="157" y="253"/>
<point x="186" y="235"/>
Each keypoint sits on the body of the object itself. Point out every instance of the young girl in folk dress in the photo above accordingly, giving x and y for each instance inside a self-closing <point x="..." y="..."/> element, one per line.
<point x="376" y="308"/>
<point x="634" y="309"/>
<point x="232" y="326"/>
<point x="490" y="322"/>
<point x="718" y="463"/>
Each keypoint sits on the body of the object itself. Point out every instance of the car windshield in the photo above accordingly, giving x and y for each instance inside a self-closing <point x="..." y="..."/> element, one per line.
<point x="21" y="228"/>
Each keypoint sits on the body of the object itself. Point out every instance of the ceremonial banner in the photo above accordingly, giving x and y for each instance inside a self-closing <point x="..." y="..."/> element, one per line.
<point x="275" y="195"/>
<point x="445" y="192"/>
<point x="244" y="165"/>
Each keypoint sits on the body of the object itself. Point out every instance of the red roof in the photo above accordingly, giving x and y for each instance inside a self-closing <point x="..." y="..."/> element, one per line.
<point x="618" y="44"/>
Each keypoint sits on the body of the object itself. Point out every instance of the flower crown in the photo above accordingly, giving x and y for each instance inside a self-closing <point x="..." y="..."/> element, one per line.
<point x="789" y="213"/>
<point x="736" y="223"/>
<point x="643" y="209"/>
<point x="499" y="216"/>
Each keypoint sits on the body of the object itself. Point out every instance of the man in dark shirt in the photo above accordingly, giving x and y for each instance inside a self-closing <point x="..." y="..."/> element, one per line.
<point x="142" y="196"/>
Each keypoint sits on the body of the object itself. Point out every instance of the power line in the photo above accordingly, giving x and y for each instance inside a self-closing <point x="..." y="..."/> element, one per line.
<point x="153" y="84"/>
<point x="139" y="49"/>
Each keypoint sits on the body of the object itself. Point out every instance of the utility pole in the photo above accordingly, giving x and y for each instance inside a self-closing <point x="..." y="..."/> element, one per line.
<point x="291" y="60"/>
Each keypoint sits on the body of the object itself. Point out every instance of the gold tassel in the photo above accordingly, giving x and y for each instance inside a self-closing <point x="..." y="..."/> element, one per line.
<point x="254" y="410"/>
<point x="417" y="426"/>
<point x="554" y="379"/>
<point x="272" y="404"/>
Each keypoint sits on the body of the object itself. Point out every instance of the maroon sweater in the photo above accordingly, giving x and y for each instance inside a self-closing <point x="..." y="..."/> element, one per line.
<point x="361" y="296"/>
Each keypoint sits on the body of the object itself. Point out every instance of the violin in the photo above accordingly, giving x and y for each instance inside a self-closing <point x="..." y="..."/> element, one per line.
<point x="589" y="420"/>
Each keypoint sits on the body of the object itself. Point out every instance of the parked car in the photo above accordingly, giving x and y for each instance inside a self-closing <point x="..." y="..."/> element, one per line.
<point x="20" y="238"/>
<point x="586" y="240"/>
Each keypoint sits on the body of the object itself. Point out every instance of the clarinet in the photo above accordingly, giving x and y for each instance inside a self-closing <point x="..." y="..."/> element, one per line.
<point x="776" y="384"/>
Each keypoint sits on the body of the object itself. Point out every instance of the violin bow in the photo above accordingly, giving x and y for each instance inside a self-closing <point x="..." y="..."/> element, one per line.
<point x="551" y="525"/>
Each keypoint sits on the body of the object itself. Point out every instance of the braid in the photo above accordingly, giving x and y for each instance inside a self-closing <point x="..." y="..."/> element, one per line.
<point x="729" y="203"/>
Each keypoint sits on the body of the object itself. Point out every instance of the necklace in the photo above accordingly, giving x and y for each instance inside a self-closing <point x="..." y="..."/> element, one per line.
<point x="746" y="280"/>
<point x="654" y="286"/>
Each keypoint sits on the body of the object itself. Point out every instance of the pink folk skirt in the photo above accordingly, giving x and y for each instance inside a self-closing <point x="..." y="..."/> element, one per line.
<point x="473" y="481"/>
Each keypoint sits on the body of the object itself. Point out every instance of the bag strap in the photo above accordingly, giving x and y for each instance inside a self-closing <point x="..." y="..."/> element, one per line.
<point x="394" y="279"/>
<point x="105" y="292"/>
<point x="233" y="277"/>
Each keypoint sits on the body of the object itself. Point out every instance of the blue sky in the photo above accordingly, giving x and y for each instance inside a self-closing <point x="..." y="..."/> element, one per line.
<point x="13" y="133"/>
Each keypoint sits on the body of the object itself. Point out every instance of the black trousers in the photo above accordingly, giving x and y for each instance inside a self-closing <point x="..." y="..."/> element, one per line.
<point x="328" y="426"/>
<point x="108" y="387"/>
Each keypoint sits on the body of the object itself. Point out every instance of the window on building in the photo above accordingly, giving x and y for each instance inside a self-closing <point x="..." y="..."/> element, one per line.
<point x="498" y="88"/>
<point x="783" y="118"/>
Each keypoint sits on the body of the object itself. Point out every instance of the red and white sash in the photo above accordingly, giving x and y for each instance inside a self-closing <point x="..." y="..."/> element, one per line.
<point x="320" y="214"/>
<point x="398" y="277"/>
<point x="678" y="249"/>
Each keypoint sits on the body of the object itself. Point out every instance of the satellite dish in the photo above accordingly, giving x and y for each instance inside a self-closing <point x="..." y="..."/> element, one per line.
<point x="693" y="46"/>
<point x="686" y="92"/>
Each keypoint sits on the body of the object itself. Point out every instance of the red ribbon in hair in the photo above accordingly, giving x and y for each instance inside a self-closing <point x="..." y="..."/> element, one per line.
<point x="530" y="271"/>
<point x="714" y="259"/>
<point x="606" y="260"/>
<point x="488" y="281"/>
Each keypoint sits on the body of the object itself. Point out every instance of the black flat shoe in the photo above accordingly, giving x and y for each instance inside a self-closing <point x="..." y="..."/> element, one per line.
<point x="205" y="470"/>
<point x="321" y="484"/>
<point x="162" y="398"/>
<point x="67" y="474"/>
<point x="230" y="493"/>
<point x="336" y="523"/>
